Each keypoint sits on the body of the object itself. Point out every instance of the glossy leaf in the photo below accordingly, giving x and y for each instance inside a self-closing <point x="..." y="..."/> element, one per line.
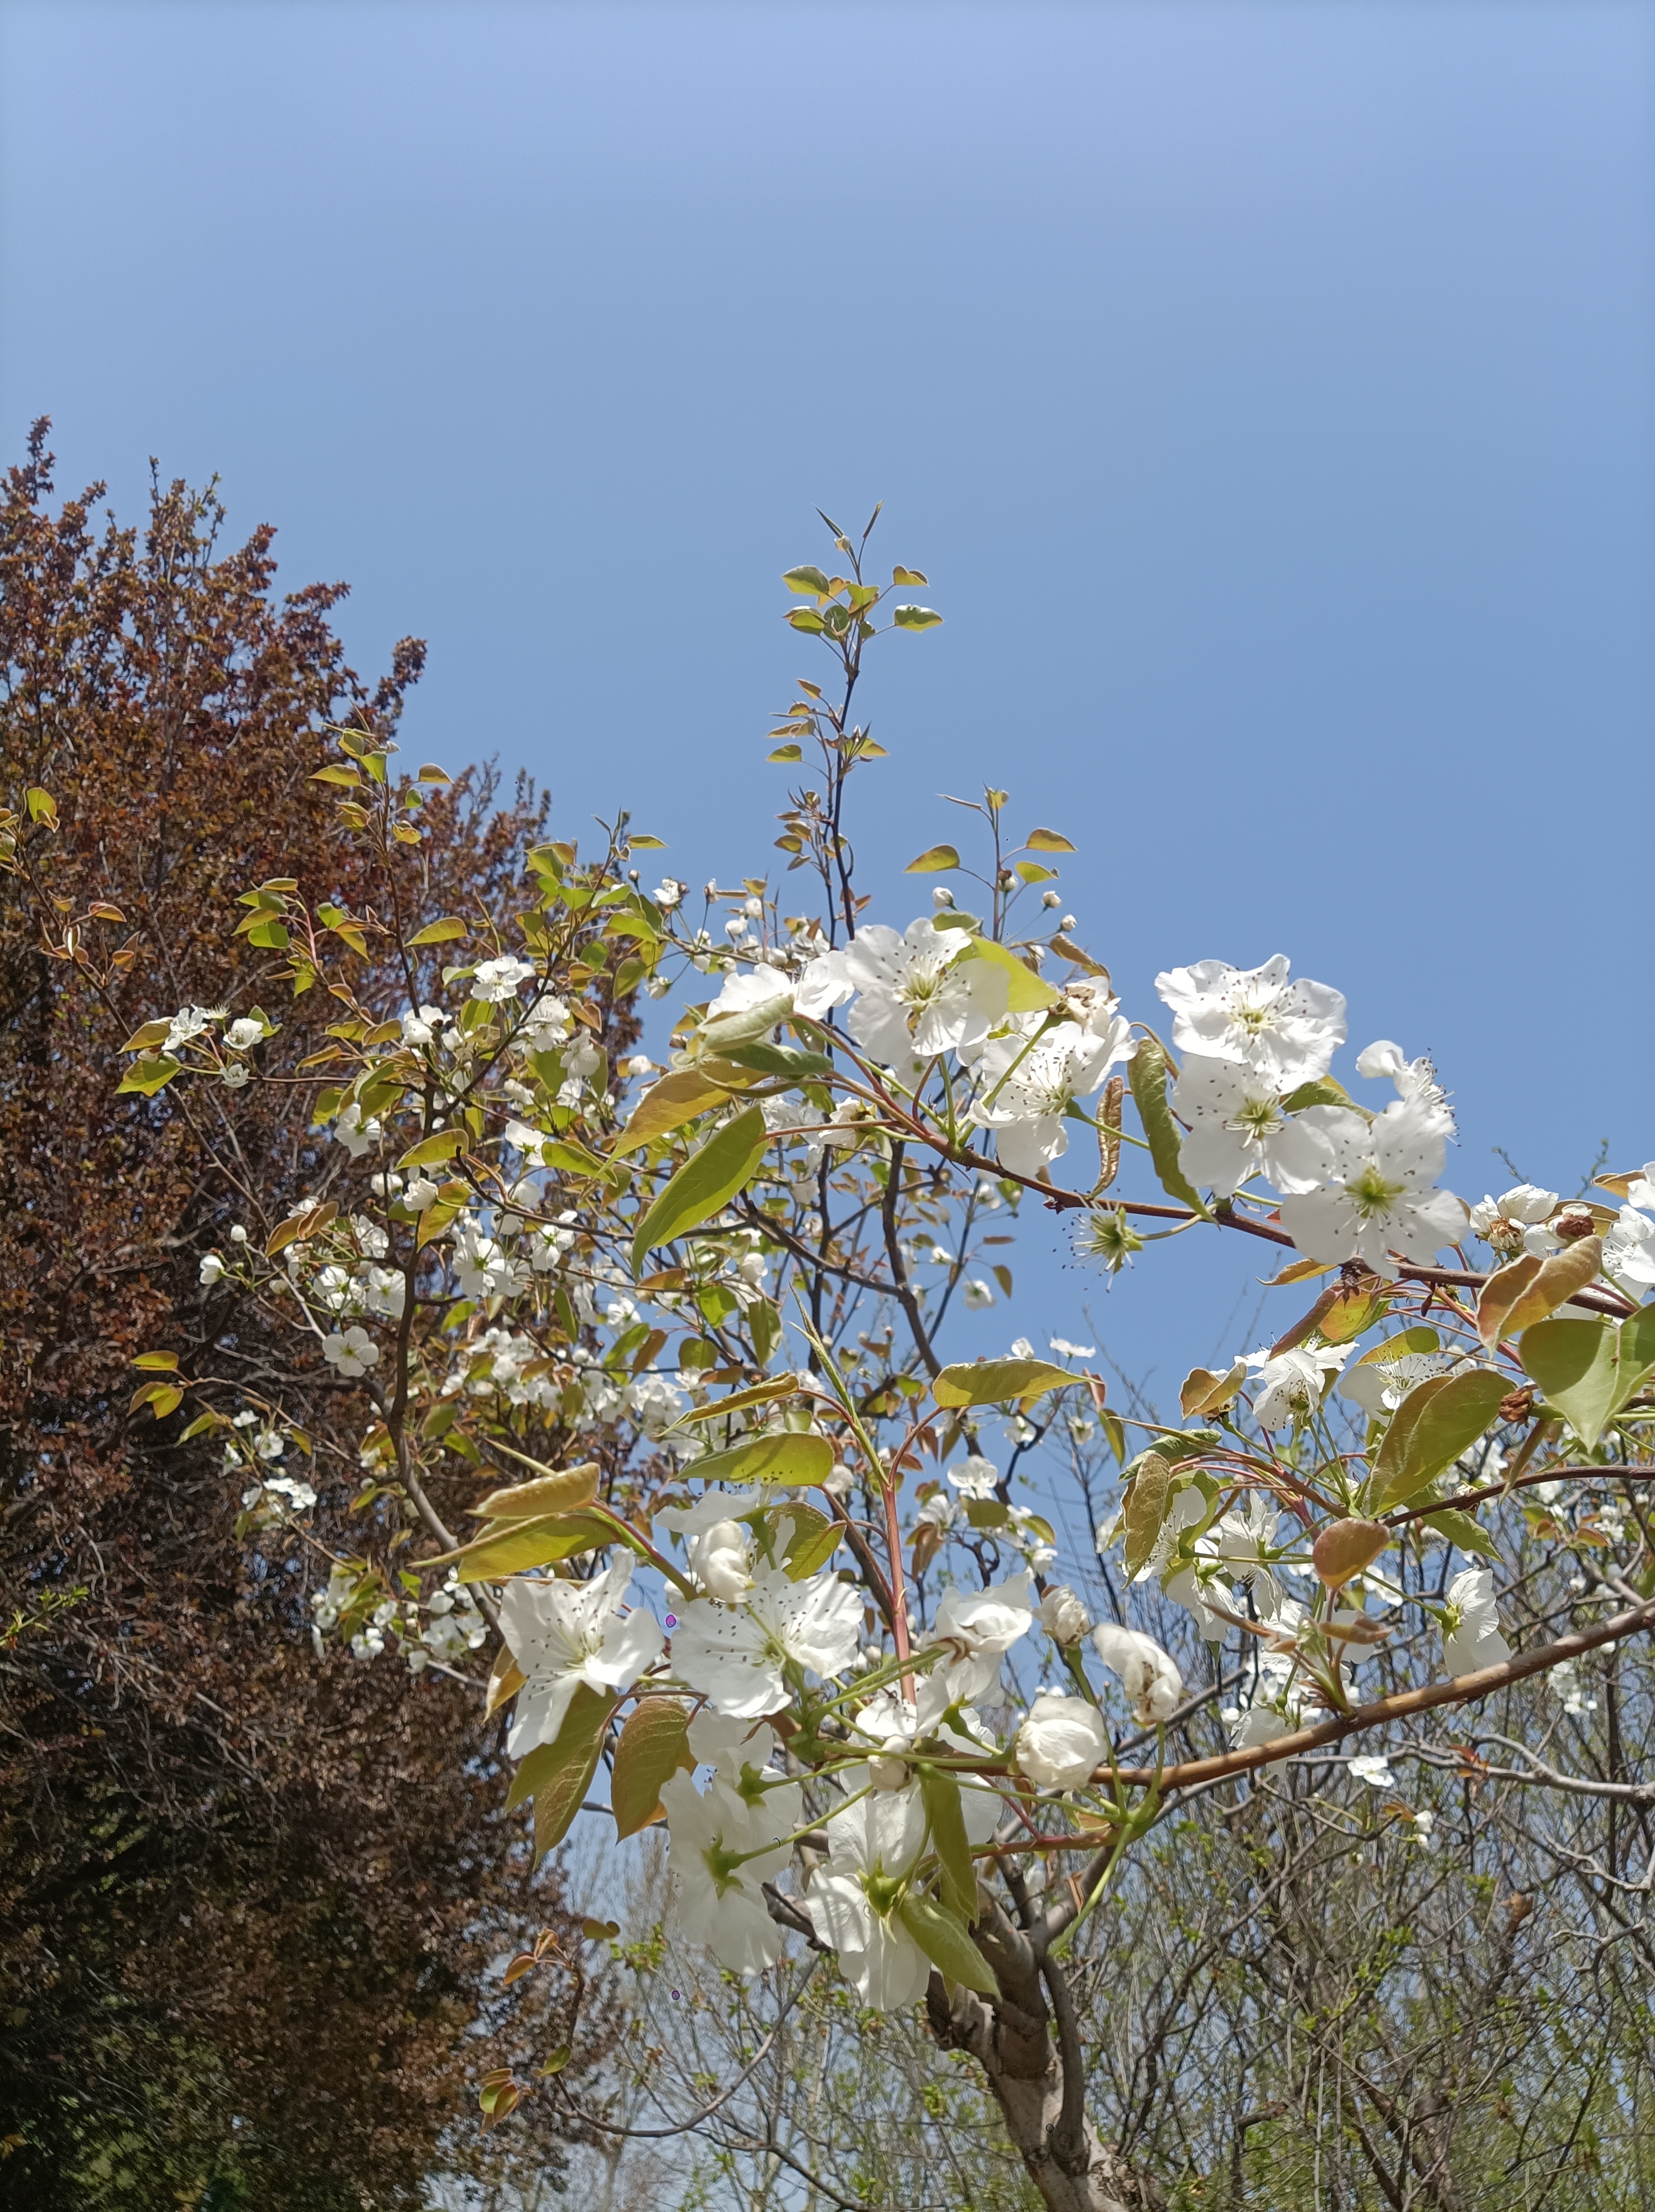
<point x="149" y="1074"/>
<point x="997" y="1382"/>
<point x="562" y="1490"/>
<point x="1577" y="1365"/>
<point x="1025" y="993"/>
<point x="1148" y="1070"/>
<point x="947" y="1942"/>
<point x="778" y="1455"/>
<point x="1048" y="841"/>
<point x="1527" y="1290"/>
<point x="654" y="1745"/>
<point x="915" y="617"/>
<point x="439" y="933"/>
<point x="932" y="859"/>
<point x="1438" y="1420"/>
<point x="704" y="1185"/>
<point x="939" y="1794"/>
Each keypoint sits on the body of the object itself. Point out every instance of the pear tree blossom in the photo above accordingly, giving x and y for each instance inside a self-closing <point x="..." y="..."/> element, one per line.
<point x="660" y="1442"/>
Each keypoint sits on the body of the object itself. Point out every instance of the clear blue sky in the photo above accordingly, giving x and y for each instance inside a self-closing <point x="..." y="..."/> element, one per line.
<point x="1265" y="389"/>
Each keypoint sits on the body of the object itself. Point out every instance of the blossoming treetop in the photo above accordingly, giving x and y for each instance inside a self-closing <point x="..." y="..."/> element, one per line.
<point x="670" y="1333"/>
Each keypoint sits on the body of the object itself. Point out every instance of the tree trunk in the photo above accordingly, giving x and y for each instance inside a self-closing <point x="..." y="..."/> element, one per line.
<point x="1036" y="2078"/>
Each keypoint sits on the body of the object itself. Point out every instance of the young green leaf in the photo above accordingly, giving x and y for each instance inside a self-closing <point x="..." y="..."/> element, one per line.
<point x="1438" y="1420"/>
<point x="933" y="858"/>
<point x="1576" y="1365"/>
<point x="1148" y="1070"/>
<point x="947" y="1942"/>
<point x="997" y="1382"/>
<point x="915" y="617"/>
<point x="939" y="1794"/>
<point x="706" y="1183"/>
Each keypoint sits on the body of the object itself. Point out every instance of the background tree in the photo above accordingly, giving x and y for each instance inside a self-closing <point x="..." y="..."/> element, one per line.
<point x="245" y="1901"/>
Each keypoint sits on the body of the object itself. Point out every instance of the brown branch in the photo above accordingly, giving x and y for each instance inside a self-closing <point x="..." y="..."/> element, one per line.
<point x="1463" y="1690"/>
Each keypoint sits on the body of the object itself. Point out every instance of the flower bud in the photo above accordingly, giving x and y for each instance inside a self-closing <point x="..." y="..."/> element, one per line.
<point x="1062" y="1743"/>
<point x="1063" y="1615"/>
<point x="1341" y="1552"/>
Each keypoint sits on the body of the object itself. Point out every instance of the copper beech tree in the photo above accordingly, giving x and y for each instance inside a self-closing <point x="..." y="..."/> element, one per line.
<point x="801" y="1619"/>
<point x="245" y="1902"/>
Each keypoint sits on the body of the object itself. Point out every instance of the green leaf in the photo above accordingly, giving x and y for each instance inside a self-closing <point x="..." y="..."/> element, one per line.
<point x="765" y="1058"/>
<point x="1464" y="1532"/>
<point x="720" y="1031"/>
<point x="915" y="617"/>
<point x="996" y="1382"/>
<point x="936" y="857"/>
<point x="987" y="1513"/>
<point x="940" y="1794"/>
<point x="553" y="1490"/>
<point x="707" y="1181"/>
<point x="512" y="1547"/>
<point x="159" y="1362"/>
<point x="1025" y="992"/>
<point x="947" y="1942"/>
<point x="1148" y="1070"/>
<point x="756" y="1394"/>
<point x="149" y="1074"/>
<point x="785" y="753"/>
<point x="808" y="581"/>
<point x="555" y="1774"/>
<point x="676" y="1098"/>
<point x="806" y="619"/>
<point x="1575" y="1364"/>
<point x="779" y="1456"/>
<point x="1323" y="1092"/>
<point x="1048" y="841"/>
<point x="1146" y="1509"/>
<point x="914" y="576"/>
<point x="1637" y="1354"/>
<point x="439" y="933"/>
<point x="814" y="1540"/>
<point x="1433" y="1425"/>
<point x="442" y="1145"/>
<point x="270" y="936"/>
<point x="1398" y="1346"/>
<point x="1032" y="872"/>
<point x="42" y="807"/>
<point x="654" y="1745"/>
<point x="341" y="772"/>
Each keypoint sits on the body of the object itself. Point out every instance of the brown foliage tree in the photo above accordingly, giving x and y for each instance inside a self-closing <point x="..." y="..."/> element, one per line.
<point x="246" y="1900"/>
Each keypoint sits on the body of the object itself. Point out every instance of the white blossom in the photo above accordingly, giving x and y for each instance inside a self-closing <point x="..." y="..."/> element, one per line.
<point x="1153" y="1683"/>
<point x="1471" y="1638"/>
<point x="242" y="1035"/>
<point x="717" y="1891"/>
<point x="1238" y="1129"/>
<point x="564" y="1634"/>
<point x="212" y="1269"/>
<point x="496" y="981"/>
<point x="1372" y="1768"/>
<point x="188" y="1022"/>
<point x="356" y="1135"/>
<point x="977" y="1294"/>
<point x="352" y="1352"/>
<point x="872" y="1846"/>
<point x="736" y="1655"/>
<point x="721" y="1560"/>
<point x="1378" y="1197"/>
<point x="423" y="1027"/>
<point x="1414" y="1079"/>
<point x="974" y="1478"/>
<point x="1061" y="1742"/>
<point x="978" y="1628"/>
<point x="916" y="997"/>
<point x="1629" y="1247"/>
<point x="1027" y="1087"/>
<point x="751" y="994"/>
<point x="1290" y="1382"/>
<point x="1378" y="1386"/>
<point x="1286" y="1031"/>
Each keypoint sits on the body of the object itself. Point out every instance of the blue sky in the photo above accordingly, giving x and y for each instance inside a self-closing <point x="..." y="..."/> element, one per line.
<point x="1265" y="389"/>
